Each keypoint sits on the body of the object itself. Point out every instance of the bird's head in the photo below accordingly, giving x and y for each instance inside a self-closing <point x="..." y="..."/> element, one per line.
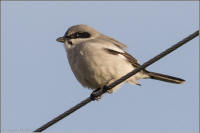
<point x="78" y="34"/>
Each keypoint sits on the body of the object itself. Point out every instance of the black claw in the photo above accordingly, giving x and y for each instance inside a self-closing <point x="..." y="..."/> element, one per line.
<point x="94" y="96"/>
<point x="105" y="89"/>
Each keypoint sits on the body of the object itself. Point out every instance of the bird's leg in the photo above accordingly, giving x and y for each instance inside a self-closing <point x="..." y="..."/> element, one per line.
<point x="94" y="96"/>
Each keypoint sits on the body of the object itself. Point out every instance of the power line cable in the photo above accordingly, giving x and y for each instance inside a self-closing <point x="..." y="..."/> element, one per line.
<point x="100" y="92"/>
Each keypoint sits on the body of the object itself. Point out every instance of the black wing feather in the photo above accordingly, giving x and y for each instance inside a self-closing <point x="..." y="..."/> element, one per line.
<point x="129" y="58"/>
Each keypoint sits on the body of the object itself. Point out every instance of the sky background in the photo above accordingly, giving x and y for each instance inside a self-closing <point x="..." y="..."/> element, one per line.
<point x="37" y="82"/>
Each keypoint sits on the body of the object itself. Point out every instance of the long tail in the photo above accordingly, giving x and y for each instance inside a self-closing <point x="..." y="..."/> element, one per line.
<point x="166" y="78"/>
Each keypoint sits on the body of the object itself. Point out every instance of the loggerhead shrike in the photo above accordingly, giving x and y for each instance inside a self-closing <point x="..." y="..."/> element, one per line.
<point x="97" y="60"/>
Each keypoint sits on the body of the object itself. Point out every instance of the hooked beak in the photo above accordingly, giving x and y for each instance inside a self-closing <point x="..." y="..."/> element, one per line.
<point x="60" y="39"/>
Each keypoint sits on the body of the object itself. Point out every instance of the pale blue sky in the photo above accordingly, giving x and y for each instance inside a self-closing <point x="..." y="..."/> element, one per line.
<point x="37" y="82"/>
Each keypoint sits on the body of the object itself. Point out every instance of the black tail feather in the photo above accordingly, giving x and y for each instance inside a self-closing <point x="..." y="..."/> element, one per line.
<point x="166" y="78"/>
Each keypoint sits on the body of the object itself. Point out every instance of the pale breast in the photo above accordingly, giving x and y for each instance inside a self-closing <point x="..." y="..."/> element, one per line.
<point x="94" y="67"/>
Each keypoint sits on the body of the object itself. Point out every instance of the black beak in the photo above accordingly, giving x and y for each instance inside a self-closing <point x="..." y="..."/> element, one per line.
<point x="60" y="39"/>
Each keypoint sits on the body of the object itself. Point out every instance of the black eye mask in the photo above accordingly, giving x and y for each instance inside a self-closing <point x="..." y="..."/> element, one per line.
<point x="78" y="35"/>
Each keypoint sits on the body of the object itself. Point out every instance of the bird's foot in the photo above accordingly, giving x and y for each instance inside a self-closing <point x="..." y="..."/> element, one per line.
<point x="94" y="96"/>
<point x="98" y="93"/>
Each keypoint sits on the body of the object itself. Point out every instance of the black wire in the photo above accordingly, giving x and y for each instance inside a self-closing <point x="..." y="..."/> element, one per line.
<point x="115" y="83"/>
<point x="63" y="115"/>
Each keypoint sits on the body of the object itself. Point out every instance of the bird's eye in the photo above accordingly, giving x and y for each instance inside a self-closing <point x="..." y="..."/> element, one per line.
<point x="79" y="35"/>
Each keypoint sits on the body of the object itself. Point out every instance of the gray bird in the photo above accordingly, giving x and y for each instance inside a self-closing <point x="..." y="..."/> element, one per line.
<point x="97" y="60"/>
